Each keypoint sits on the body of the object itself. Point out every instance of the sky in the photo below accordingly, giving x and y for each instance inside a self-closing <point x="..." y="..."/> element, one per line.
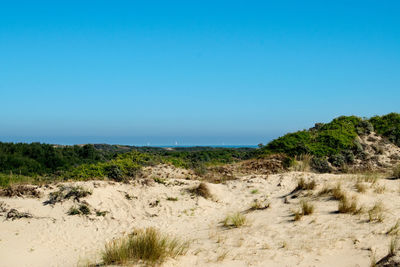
<point x="192" y="72"/>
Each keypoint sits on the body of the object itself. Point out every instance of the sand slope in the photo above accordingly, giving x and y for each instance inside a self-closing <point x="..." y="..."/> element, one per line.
<point x="271" y="237"/>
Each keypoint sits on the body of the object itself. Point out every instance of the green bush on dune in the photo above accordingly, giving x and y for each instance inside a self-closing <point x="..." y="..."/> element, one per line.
<point x="325" y="140"/>
<point x="388" y="126"/>
<point x="335" y="142"/>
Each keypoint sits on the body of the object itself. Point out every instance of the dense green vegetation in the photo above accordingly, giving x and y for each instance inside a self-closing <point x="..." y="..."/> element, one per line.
<point x="39" y="159"/>
<point x="334" y="142"/>
<point x="43" y="162"/>
<point x="388" y="126"/>
<point x="322" y="140"/>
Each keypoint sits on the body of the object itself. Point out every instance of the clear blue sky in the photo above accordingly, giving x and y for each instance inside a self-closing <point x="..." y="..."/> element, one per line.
<point x="195" y="72"/>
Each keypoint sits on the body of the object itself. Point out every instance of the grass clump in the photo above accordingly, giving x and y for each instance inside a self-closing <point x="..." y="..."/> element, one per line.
<point x="360" y="187"/>
<point x="376" y="212"/>
<point x="172" y="198"/>
<point x="101" y="213"/>
<point x="149" y="246"/>
<point x="302" y="184"/>
<point x="201" y="190"/>
<point x="395" y="229"/>
<point x="335" y="192"/>
<point x="349" y="205"/>
<point x="379" y="189"/>
<point x="82" y="209"/>
<point x="306" y="208"/>
<point x="235" y="220"/>
<point x="254" y="191"/>
<point x="393" y="246"/>
<point x="302" y="163"/>
<point x="259" y="205"/>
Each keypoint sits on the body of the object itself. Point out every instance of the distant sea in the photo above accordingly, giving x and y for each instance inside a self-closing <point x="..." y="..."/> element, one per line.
<point x="228" y="142"/>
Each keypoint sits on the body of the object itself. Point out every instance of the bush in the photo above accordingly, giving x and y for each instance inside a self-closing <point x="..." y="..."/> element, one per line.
<point x="149" y="246"/>
<point x="114" y="173"/>
<point x="201" y="190"/>
<point x="337" y="160"/>
<point x="388" y="126"/>
<point x="321" y="165"/>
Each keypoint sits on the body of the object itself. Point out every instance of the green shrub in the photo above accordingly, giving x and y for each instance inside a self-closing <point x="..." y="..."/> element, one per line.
<point x="320" y="165"/>
<point x="336" y="140"/>
<point x="388" y="126"/>
<point x="82" y="209"/>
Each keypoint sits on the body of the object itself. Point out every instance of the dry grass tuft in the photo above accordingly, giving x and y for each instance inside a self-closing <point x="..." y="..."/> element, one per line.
<point x="201" y="190"/>
<point x="349" y="205"/>
<point x="379" y="189"/>
<point x="395" y="229"/>
<point x="306" y="208"/>
<point x="392" y="246"/>
<point x="259" y="205"/>
<point x="360" y="187"/>
<point x="302" y="184"/>
<point x="302" y="163"/>
<point x="235" y="220"/>
<point x="149" y="246"/>
<point x="376" y="212"/>
<point x="369" y="177"/>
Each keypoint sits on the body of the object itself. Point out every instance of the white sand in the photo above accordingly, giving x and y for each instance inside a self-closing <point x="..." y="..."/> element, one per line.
<point x="271" y="238"/>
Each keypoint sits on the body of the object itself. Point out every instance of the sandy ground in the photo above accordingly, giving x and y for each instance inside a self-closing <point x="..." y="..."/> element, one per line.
<point x="270" y="238"/>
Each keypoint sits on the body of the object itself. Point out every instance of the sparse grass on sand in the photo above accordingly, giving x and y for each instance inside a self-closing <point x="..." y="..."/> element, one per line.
<point x="306" y="208"/>
<point x="376" y="212"/>
<point x="349" y="205"/>
<point x="149" y="246"/>
<point x="395" y="229"/>
<point x="360" y="187"/>
<point x="379" y="189"/>
<point x="259" y="205"/>
<point x="82" y="209"/>
<point x="335" y="192"/>
<point x="235" y="220"/>
<point x="67" y="192"/>
<point x="392" y="246"/>
<point x="302" y="184"/>
<point x="201" y="190"/>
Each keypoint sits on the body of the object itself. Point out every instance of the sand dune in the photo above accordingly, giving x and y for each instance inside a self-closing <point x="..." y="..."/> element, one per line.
<point x="270" y="238"/>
